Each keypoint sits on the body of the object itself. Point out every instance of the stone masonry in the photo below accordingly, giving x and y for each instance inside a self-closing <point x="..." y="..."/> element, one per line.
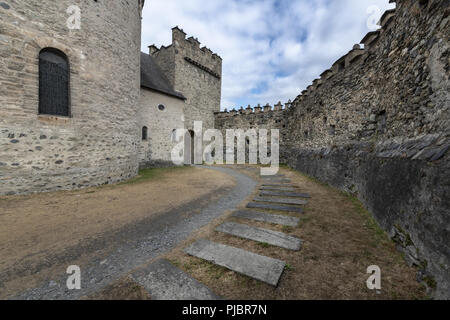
<point x="98" y="143"/>
<point x="156" y="149"/>
<point x="376" y="124"/>
<point x="196" y="72"/>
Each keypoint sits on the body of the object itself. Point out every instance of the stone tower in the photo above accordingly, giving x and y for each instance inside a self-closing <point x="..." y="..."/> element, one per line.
<point x="194" y="71"/>
<point x="95" y="141"/>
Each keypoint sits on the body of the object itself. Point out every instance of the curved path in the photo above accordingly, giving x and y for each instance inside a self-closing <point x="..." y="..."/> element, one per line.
<point x="145" y="241"/>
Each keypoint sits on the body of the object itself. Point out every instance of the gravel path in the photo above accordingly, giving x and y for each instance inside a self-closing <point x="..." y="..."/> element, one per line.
<point x="144" y="241"/>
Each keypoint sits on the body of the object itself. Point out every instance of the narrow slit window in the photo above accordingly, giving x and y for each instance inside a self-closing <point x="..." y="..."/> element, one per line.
<point x="144" y="133"/>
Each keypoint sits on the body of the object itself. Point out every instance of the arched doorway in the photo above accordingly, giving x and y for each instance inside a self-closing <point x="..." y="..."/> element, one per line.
<point x="189" y="147"/>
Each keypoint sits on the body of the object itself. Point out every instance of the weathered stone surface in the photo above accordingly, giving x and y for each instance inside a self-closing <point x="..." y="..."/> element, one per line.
<point x="256" y="205"/>
<point x="284" y="194"/>
<point x="267" y="217"/>
<point x="276" y="185"/>
<point x="280" y="181"/>
<point x="386" y="141"/>
<point x="196" y="72"/>
<point x="273" y="238"/>
<point x="159" y="144"/>
<point x="164" y="281"/>
<point x="280" y="200"/>
<point x="278" y="175"/>
<point x="104" y="58"/>
<point x="281" y="188"/>
<point x="255" y="266"/>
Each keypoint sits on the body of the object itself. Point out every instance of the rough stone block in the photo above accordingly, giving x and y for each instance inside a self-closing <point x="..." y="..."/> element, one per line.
<point x="254" y="205"/>
<point x="279" y="188"/>
<point x="267" y="217"/>
<point x="280" y="200"/>
<point x="284" y="194"/>
<point x="271" y="237"/>
<point x="164" y="281"/>
<point x="255" y="266"/>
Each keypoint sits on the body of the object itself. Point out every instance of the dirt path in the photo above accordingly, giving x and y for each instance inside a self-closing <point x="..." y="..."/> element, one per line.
<point x="106" y="231"/>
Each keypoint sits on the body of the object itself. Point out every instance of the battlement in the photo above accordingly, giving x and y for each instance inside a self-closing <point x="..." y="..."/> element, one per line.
<point x="358" y="52"/>
<point x="191" y="51"/>
<point x="279" y="107"/>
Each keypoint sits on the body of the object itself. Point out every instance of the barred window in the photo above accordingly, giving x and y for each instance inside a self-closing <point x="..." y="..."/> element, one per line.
<point x="54" y="73"/>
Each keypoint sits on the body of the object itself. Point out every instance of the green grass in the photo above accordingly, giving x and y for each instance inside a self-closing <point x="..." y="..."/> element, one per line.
<point x="264" y="244"/>
<point x="153" y="174"/>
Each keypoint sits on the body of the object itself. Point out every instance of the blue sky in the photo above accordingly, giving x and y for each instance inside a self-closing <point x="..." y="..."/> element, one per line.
<point x="271" y="49"/>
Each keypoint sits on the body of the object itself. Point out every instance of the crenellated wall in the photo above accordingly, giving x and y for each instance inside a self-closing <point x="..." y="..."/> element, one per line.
<point x="377" y="124"/>
<point x="266" y="117"/>
<point x="194" y="71"/>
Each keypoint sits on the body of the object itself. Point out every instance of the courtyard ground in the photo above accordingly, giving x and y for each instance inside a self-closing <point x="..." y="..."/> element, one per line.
<point x="340" y="239"/>
<point x="42" y="234"/>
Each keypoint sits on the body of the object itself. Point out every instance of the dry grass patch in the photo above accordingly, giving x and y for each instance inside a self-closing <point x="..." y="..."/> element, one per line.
<point x="340" y="240"/>
<point x="124" y="289"/>
<point x="37" y="230"/>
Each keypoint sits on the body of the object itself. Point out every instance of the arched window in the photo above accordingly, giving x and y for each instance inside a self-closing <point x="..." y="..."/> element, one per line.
<point x="144" y="133"/>
<point x="54" y="73"/>
<point x="173" y="135"/>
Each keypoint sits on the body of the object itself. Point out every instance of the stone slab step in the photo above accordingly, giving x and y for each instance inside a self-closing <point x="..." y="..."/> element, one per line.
<point x="255" y="266"/>
<point x="271" y="237"/>
<point x="276" y="185"/>
<point x="164" y="281"/>
<point x="281" y="200"/>
<point x="268" y="206"/>
<point x="271" y="180"/>
<point x="278" y="188"/>
<point x="267" y="217"/>
<point x="278" y="175"/>
<point x="284" y="194"/>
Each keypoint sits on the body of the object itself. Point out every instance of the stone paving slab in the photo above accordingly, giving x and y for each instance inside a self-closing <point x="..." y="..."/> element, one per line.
<point x="284" y="194"/>
<point x="278" y="175"/>
<point x="271" y="237"/>
<point x="164" y="281"/>
<point x="272" y="180"/>
<point x="278" y="185"/>
<point x="267" y="217"/>
<point x="278" y="188"/>
<point x="268" y="206"/>
<point x="280" y="200"/>
<point x="255" y="266"/>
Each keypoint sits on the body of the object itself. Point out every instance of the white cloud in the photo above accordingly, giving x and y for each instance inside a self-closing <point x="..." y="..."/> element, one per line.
<point x="271" y="49"/>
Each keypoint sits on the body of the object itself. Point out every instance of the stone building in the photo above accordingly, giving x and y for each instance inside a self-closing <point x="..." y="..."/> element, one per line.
<point x="68" y="97"/>
<point x="195" y="73"/>
<point x="161" y="112"/>
<point x="83" y="106"/>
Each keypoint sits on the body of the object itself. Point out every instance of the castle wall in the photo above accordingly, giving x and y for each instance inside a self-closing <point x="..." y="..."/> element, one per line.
<point x="377" y="125"/>
<point x="196" y="72"/>
<point x="98" y="143"/>
<point x="157" y="148"/>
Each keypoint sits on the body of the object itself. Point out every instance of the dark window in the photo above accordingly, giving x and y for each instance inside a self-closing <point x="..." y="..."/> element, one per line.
<point x="54" y="98"/>
<point x="144" y="133"/>
<point x="161" y="107"/>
